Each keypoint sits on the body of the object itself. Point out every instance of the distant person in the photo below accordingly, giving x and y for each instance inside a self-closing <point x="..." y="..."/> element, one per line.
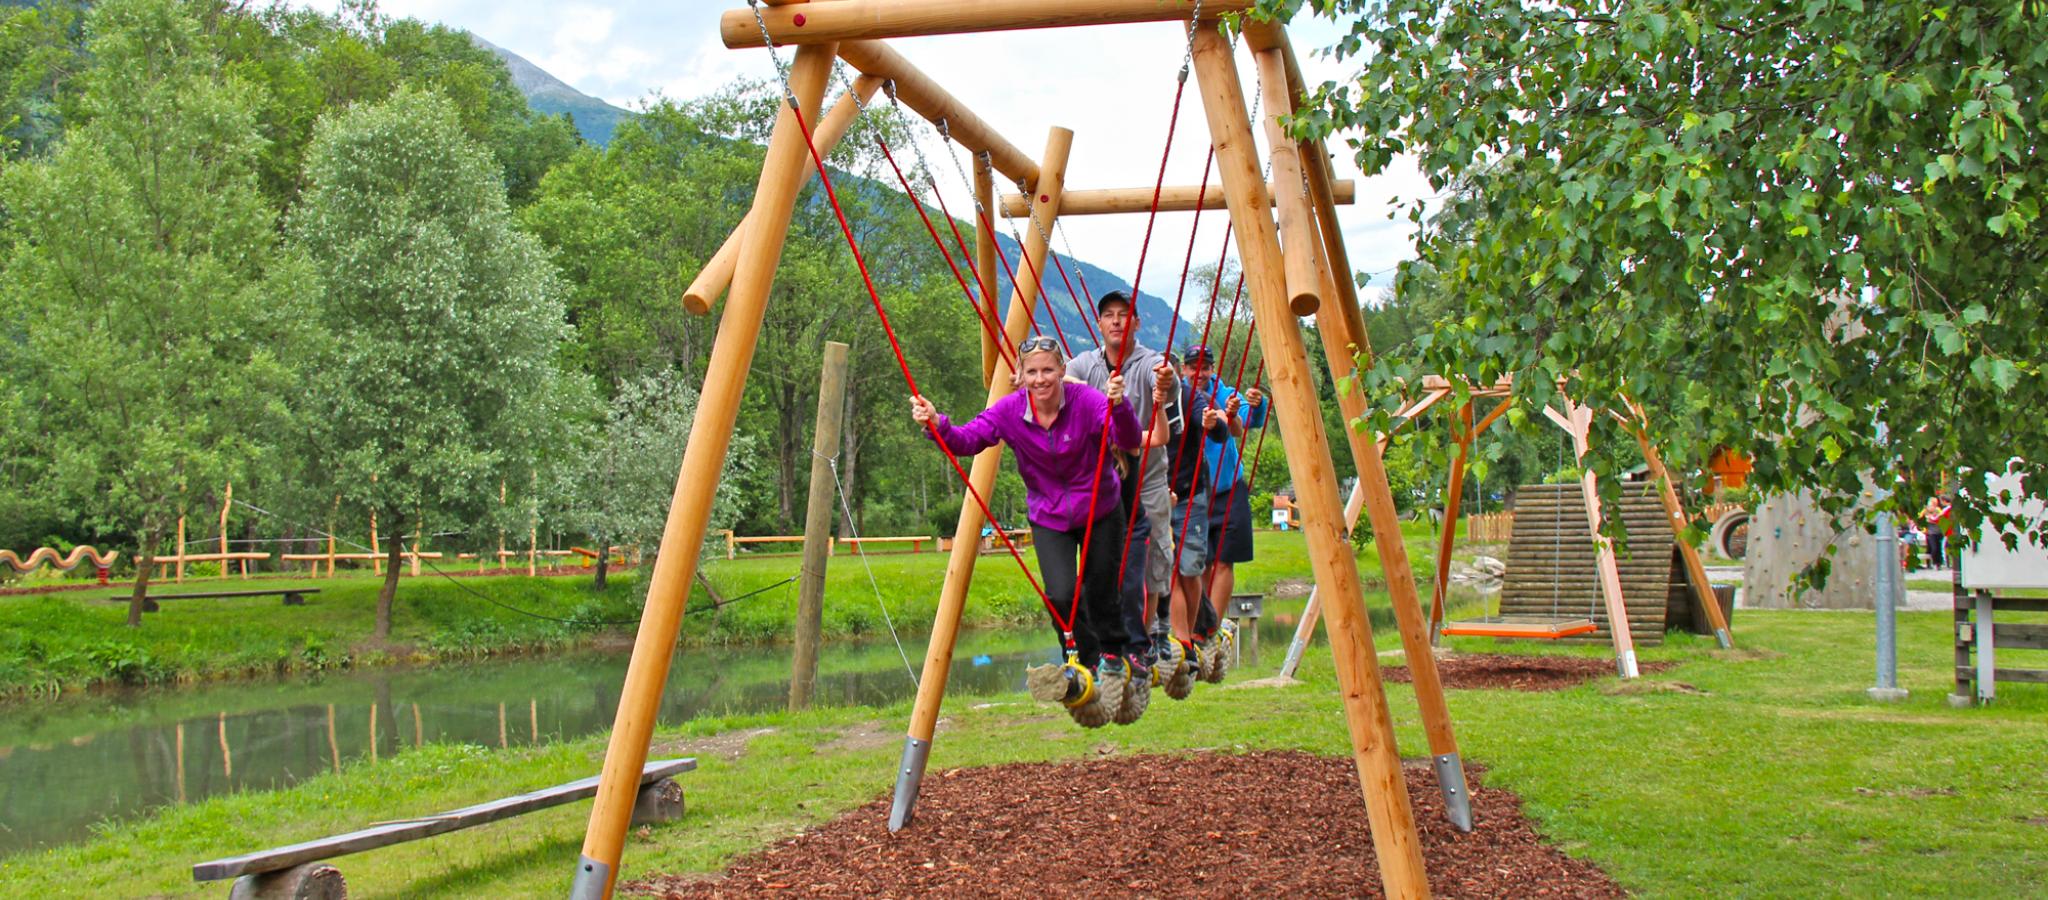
<point x="1144" y="578"/>
<point x="1940" y="525"/>
<point x="1053" y="428"/>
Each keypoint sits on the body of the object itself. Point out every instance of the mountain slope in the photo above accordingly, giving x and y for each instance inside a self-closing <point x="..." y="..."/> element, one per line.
<point x="595" y="119"/>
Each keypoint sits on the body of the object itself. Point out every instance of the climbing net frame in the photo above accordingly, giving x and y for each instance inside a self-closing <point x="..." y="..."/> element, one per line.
<point x="1292" y="260"/>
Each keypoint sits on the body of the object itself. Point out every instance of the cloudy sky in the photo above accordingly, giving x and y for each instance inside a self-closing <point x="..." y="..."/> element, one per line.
<point x="1113" y="85"/>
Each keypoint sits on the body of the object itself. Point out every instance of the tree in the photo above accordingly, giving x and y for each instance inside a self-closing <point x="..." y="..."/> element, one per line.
<point x="440" y="383"/>
<point x="152" y="308"/>
<point x="619" y="488"/>
<point x="1776" y="224"/>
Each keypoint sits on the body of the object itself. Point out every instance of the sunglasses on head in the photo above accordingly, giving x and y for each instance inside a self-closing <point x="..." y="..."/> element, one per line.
<point x="1038" y="343"/>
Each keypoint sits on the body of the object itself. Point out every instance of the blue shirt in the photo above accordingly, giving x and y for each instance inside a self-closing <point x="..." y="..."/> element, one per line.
<point x="1221" y="458"/>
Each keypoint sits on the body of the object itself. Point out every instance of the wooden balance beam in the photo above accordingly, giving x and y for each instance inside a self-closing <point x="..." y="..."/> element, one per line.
<point x="294" y="864"/>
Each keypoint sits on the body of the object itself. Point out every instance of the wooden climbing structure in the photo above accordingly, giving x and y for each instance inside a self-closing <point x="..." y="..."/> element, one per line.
<point x="1294" y="263"/>
<point x="1553" y="564"/>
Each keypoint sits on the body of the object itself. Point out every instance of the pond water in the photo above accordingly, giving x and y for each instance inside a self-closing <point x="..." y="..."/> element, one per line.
<point x="68" y="764"/>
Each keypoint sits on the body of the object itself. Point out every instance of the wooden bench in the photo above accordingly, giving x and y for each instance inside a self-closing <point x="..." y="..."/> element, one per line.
<point x="733" y="541"/>
<point x="916" y="542"/>
<point x="293" y="596"/>
<point x="298" y="872"/>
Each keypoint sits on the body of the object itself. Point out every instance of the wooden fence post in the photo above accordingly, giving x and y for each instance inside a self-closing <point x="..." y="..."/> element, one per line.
<point x="818" y="518"/>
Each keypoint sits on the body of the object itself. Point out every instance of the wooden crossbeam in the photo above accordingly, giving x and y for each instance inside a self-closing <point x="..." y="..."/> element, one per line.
<point x="851" y="20"/>
<point x="1176" y="198"/>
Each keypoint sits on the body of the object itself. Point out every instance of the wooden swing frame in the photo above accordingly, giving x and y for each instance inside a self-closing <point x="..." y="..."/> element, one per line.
<point x="1290" y="246"/>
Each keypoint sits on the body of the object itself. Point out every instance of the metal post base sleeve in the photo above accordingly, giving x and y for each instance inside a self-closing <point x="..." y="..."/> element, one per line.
<point x="1625" y="665"/>
<point x="908" y="774"/>
<point x="1450" y="777"/>
<point x="591" y="879"/>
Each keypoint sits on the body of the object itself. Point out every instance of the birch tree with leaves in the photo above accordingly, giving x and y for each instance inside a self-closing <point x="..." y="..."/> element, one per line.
<point x="439" y="382"/>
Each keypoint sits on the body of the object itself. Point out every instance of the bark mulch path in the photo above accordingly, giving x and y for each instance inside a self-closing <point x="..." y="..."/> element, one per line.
<point x="1519" y="672"/>
<point x="1209" y="824"/>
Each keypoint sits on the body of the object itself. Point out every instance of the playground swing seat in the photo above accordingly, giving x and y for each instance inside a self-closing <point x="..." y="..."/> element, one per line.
<point x="1532" y="627"/>
<point x="1558" y="624"/>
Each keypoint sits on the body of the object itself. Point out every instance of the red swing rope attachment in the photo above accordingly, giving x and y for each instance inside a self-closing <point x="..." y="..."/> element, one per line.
<point x="1066" y="623"/>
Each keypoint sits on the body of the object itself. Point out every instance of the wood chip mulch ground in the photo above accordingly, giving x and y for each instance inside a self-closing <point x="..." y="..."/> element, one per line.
<point x="1208" y="825"/>
<point x="1519" y="673"/>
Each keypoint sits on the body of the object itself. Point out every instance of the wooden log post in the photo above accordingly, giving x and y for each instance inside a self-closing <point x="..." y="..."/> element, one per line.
<point x="533" y="525"/>
<point x="818" y="519"/>
<point x="1695" y="569"/>
<point x="376" y="549"/>
<point x="1391" y="817"/>
<point x="985" y="250"/>
<point x="716" y="276"/>
<point x="938" y="658"/>
<point x="227" y="501"/>
<point x="1577" y="421"/>
<point x="1309" y="277"/>
<point x="331" y="521"/>
<point x="181" y="551"/>
<point x="697" y="481"/>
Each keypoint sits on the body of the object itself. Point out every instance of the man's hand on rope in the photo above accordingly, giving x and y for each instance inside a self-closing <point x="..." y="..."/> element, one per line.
<point x="1212" y="417"/>
<point x="921" y="411"/>
<point x="1162" y="384"/>
<point x="1116" y="389"/>
<point x="1254" y="396"/>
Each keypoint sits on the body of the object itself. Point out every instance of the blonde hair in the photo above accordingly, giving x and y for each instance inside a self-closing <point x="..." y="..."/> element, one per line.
<point x="1039" y="344"/>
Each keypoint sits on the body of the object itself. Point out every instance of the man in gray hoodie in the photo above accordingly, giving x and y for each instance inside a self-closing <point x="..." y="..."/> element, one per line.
<point x="1146" y="566"/>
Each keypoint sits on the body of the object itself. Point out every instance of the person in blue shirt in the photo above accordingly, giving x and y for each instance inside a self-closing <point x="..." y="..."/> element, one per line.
<point x="1230" y="510"/>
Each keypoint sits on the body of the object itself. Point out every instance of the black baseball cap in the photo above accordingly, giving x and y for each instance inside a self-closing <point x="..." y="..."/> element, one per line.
<point x="1200" y="354"/>
<point x="1115" y="297"/>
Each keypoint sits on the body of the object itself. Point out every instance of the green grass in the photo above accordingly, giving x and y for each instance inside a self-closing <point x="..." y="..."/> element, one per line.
<point x="65" y="642"/>
<point x="1775" y="778"/>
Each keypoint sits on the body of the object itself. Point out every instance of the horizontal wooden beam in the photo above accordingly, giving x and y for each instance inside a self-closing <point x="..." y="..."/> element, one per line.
<point x="924" y="96"/>
<point x="1178" y="198"/>
<point x="854" y="20"/>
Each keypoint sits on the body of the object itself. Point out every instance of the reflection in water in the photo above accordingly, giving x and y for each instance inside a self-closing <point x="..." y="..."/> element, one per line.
<point x="69" y="764"/>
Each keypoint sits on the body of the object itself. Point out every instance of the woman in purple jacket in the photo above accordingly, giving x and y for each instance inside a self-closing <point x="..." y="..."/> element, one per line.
<point x="1054" y="429"/>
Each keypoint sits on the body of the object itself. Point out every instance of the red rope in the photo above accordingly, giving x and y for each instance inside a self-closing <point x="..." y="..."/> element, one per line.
<point x="1230" y="501"/>
<point x="1145" y="455"/>
<point x="1123" y="354"/>
<point x="846" y="229"/>
<point x="987" y="297"/>
<point x="1001" y="340"/>
<point x="1085" y="318"/>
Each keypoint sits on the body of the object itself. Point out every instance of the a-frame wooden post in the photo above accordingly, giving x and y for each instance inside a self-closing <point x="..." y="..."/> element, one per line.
<point x="1667" y="493"/>
<point x="1299" y="228"/>
<point x="985" y="259"/>
<point x="1577" y="421"/>
<point x="1392" y="818"/>
<point x="716" y="275"/>
<point x="1454" y="497"/>
<point x="725" y="378"/>
<point x="938" y="658"/>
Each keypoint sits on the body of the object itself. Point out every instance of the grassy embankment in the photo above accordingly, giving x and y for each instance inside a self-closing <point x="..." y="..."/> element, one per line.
<point x="54" y="643"/>
<point x="1761" y="771"/>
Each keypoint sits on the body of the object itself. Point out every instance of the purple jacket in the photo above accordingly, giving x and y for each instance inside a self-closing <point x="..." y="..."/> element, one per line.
<point x="1057" y="463"/>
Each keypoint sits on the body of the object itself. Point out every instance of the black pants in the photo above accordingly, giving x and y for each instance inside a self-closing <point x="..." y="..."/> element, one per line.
<point x="1098" y="619"/>
<point x="1137" y="637"/>
<point x="1937" y="543"/>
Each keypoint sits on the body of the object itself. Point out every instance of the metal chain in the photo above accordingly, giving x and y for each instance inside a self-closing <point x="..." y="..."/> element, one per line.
<point x="781" y="71"/>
